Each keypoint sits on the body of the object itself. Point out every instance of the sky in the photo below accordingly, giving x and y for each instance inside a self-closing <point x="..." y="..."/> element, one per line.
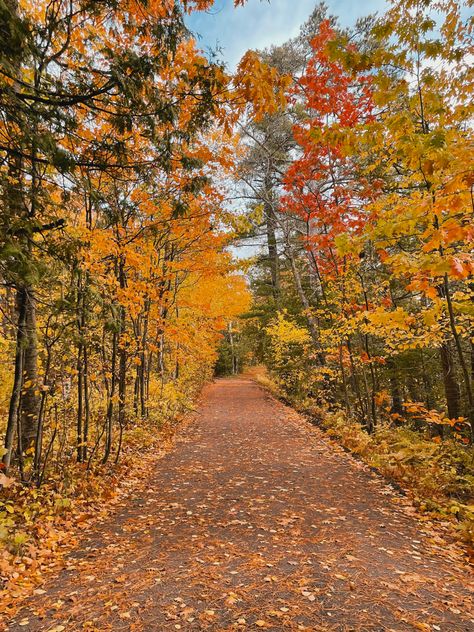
<point x="261" y="23"/>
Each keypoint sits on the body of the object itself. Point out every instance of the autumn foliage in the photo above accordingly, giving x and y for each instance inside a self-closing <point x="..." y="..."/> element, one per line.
<point x="118" y="290"/>
<point x="376" y="214"/>
<point x="116" y="283"/>
<point x="363" y="291"/>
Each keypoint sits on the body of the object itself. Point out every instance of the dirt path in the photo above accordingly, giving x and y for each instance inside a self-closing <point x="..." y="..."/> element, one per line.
<point x="255" y="521"/>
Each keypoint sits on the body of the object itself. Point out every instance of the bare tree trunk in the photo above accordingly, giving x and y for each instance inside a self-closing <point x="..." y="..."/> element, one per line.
<point x="143" y="364"/>
<point x="344" y="379"/>
<point x="80" y="399"/>
<point x="136" y="391"/>
<point x="355" y="383"/>
<point x="13" y="410"/>
<point x="138" y="368"/>
<point x="41" y="414"/>
<point x="397" y="400"/>
<point x="122" y="379"/>
<point x="427" y="384"/>
<point x="29" y="407"/>
<point x="85" y="429"/>
<point x="232" y="349"/>
<point x="451" y="386"/>
<point x="270" y="224"/>
<point x="312" y="323"/>
<point x="110" y="404"/>
<point x="457" y="342"/>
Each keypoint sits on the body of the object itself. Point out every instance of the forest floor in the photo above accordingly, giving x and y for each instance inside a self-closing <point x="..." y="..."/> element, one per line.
<point x="257" y="520"/>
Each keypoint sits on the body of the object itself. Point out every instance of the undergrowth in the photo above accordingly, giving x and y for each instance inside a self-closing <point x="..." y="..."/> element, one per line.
<point x="39" y="524"/>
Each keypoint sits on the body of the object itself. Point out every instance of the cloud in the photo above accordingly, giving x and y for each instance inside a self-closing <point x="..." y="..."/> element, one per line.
<point x="260" y="23"/>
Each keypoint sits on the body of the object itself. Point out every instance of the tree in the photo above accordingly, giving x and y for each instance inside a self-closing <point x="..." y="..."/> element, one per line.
<point x="378" y="212"/>
<point x="106" y="180"/>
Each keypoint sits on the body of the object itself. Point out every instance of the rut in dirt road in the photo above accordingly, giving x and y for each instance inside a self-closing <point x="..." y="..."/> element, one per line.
<point x="256" y="521"/>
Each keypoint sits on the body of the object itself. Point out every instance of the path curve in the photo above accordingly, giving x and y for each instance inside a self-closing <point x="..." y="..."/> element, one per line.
<point x="256" y="521"/>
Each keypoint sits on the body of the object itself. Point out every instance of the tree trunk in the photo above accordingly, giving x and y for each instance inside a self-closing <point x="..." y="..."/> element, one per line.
<point x="122" y="379"/>
<point x="270" y="224"/>
<point x="344" y="379"/>
<point x="41" y="414"/>
<point x="451" y="386"/>
<point x="80" y="400"/>
<point x="232" y="349"/>
<point x="461" y="358"/>
<point x="143" y="364"/>
<point x="427" y="384"/>
<point x="13" y="412"/>
<point x="395" y="391"/>
<point x="312" y="323"/>
<point x="110" y="403"/>
<point x="30" y="394"/>
<point x="355" y="383"/>
<point x="85" y="429"/>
